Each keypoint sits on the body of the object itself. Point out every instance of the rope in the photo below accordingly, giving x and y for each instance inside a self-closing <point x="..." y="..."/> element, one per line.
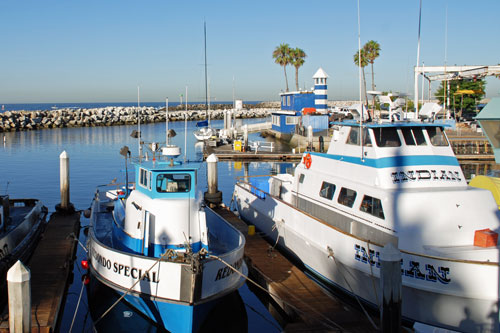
<point x="355" y="296"/>
<point x="73" y="236"/>
<point x="77" y="306"/>
<point x="129" y="289"/>
<point x="333" y="324"/>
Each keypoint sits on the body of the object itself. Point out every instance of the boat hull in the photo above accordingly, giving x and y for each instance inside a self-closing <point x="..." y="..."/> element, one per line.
<point x="453" y="294"/>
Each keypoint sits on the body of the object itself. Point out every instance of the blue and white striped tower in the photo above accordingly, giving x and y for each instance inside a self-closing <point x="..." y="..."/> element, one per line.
<point x="320" y="89"/>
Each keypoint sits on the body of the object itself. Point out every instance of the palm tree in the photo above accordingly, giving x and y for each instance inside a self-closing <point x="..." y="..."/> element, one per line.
<point x="297" y="59"/>
<point x="281" y="55"/>
<point x="364" y="63"/>
<point x="372" y="51"/>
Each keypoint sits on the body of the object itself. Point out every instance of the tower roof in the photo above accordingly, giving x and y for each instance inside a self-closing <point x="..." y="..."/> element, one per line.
<point x="320" y="74"/>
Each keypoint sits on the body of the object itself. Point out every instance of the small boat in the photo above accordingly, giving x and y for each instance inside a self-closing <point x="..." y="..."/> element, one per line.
<point x="21" y="223"/>
<point x="159" y="247"/>
<point x="387" y="182"/>
<point x="204" y="132"/>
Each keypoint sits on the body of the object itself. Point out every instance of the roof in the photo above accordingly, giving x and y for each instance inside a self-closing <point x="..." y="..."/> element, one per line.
<point x="491" y="111"/>
<point x="320" y="74"/>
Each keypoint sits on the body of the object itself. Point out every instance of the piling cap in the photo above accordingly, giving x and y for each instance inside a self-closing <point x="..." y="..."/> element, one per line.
<point x="212" y="158"/>
<point x="390" y="253"/>
<point x="18" y="273"/>
<point x="64" y="154"/>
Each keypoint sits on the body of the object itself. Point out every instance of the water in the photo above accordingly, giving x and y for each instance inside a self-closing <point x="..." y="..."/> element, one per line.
<point x="51" y="106"/>
<point x="29" y="168"/>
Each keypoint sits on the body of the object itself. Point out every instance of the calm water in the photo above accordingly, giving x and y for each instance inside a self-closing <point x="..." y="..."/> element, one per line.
<point x="29" y="168"/>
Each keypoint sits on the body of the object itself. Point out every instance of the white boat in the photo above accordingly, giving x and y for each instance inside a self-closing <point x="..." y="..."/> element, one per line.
<point x="21" y="223"/>
<point x="160" y="247"/>
<point x="204" y="133"/>
<point x="402" y="186"/>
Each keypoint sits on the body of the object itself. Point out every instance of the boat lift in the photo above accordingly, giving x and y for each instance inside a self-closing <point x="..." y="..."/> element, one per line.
<point x="449" y="73"/>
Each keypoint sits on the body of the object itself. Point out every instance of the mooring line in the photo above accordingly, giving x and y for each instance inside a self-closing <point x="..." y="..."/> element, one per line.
<point x="333" y="325"/>
<point x="77" y="306"/>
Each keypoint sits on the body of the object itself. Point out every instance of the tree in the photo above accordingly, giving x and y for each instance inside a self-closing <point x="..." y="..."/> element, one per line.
<point x="297" y="57"/>
<point x="372" y="51"/>
<point x="460" y="100"/>
<point x="281" y="55"/>
<point x="364" y="63"/>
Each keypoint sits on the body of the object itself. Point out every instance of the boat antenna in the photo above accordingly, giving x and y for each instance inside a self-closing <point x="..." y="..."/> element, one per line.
<point x="185" y="125"/>
<point x="166" y="121"/>
<point x="139" y="119"/>
<point x="206" y="83"/>
<point x="418" y="60"/>
<point x="360" y="86"/>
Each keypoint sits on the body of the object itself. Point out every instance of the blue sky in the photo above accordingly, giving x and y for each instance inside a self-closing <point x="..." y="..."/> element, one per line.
<point x="100" y="51"/>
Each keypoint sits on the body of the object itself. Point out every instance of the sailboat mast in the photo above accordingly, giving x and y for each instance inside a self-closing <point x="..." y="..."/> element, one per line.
<point x="206" y="83"/>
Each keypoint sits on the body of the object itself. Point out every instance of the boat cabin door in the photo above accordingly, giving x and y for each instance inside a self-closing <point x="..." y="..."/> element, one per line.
<point x="147" y="246"/>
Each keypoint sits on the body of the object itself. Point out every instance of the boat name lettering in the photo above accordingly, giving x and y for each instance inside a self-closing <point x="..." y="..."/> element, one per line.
<point x="226" y="271"/>
<point x="129" y="271"/>
<point x="412" y="269"/>
<point x="422" y="175"/>
<point x="4" y="251"/>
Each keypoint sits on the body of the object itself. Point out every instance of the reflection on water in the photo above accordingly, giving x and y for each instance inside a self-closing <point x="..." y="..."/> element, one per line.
<point x="475" y="168"/>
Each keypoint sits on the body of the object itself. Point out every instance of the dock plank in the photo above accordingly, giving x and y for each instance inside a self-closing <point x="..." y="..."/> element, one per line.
<point x="50" y="267"/>
<point x="313" y="309"/>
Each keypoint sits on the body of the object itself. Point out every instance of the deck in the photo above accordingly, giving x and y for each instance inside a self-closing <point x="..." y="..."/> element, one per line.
<point x="312" y="310"/>
<point x="51" y="266"/>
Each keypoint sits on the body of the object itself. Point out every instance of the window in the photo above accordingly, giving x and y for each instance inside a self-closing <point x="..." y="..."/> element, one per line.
<point x="387" y="137"/>
<point x="372" y="206"/>
<point x="347" y="197"/>
<point x="173" y="182"/>
<point x="327" y="190"/>
<point x="413" y="136"/>
<point x="276" y="120"/>
<point x="292" y="120"/>
<point x="288" y="101"/>
<point x="353" y="138"/>
<point x="144" y="178"/>
<point x="437" y="136"/>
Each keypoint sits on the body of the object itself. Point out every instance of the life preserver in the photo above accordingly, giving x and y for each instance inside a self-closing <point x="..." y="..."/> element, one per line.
<point x="308" y="160"/>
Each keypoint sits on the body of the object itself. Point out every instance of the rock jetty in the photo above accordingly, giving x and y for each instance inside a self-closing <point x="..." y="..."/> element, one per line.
<point x="11" y="121"/>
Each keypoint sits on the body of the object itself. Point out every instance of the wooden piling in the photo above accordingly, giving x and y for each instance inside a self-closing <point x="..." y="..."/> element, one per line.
<point x="391" y="286"/>
<point x="19" y="287"/>
<point x="213" y="195"/>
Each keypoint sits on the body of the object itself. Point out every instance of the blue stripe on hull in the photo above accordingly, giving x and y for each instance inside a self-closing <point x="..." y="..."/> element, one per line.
<point x="395" y="161"/>
<point x="124" y="242"/>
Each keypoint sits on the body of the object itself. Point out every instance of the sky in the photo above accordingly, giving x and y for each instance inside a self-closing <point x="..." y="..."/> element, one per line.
<point x="101" y="51"/>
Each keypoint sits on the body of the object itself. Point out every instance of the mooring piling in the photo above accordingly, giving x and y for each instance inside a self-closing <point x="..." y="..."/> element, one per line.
<point x="213" y="195"/>
<point x="19" y="289"/>
<point x="391" y="287"/>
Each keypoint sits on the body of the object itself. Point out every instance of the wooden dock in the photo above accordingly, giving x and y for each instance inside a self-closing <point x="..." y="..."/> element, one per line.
<point x="50" y="267"/>
<point x="312" y="310"/>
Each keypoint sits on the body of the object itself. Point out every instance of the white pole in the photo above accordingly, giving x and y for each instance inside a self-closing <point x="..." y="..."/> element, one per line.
<point x="64" y="179"/>
<point x="19" y="290"/>
<point x="418" y="61"/>
<point x="139" y="119"/>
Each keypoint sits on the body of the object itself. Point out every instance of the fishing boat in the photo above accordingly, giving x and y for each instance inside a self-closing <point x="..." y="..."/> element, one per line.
<point x="159" y="247"/>
<point x="21" y="223"/>
<point x="384" y="183"/>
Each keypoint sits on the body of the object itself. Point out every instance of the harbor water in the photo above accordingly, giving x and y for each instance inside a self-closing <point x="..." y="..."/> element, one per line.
<point x="29" y="168"/>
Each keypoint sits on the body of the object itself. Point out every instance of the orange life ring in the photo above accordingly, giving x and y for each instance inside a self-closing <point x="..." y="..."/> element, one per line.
<point x="308" y="160"/>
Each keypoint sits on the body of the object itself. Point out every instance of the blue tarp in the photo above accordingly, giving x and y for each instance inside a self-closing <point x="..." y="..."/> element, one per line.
<point x="203" y="123"/>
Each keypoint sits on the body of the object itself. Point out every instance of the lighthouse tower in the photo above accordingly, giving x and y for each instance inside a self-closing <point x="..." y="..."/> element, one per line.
<point x="320" y="89"/>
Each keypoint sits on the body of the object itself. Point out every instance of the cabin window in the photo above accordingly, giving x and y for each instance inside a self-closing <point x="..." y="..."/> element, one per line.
<point x="292" y="120"/>
<point x="353" y="138"/>
<point x="173" y="182"/>
<point x="301" y="178"/>
<point x="347" y="197"/>
<point x="387" y="137"/>
<point x="413" y="136"/>
<point x="437" y="136"/>
<point x="288" y="101"/>
<point x="276" y="120"/>
<point x="327" y="190"/>
<point x="372" y="206"/>
<point x="145" y="178"/>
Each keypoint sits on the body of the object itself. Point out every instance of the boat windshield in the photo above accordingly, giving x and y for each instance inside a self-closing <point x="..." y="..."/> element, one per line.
<point x="173" y="182"/>
<point x="413" y="136"/>
<point x="437" y="136"/>
<point x="387" y="137"/>
<point x="353" y="138"/>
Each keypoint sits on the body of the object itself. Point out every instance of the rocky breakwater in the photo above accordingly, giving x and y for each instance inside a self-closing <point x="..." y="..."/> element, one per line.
<point x="11" y="121"/>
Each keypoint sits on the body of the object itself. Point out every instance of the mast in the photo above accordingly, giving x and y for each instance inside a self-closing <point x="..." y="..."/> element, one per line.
<point x="139" y="119"/>
<point x="362" y="114"/>
<point x="206" y="83"/>
<point x="418" y="61"/>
